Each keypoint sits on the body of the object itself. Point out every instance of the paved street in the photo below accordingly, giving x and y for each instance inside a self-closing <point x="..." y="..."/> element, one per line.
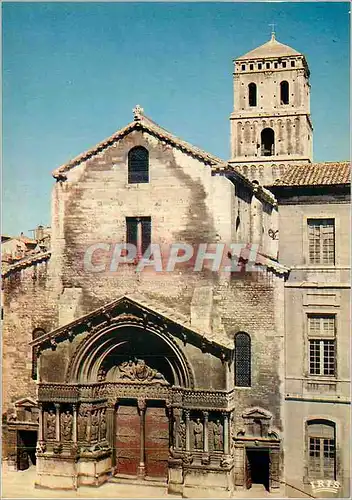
<point x="20" y="484"/>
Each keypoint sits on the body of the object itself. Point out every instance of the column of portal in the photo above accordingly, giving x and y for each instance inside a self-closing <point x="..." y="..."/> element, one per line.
<point x="205" y="432"/>
<point x="74" y="434"/>
<point x="57" y="421"/>
<point x="142" y="406"/>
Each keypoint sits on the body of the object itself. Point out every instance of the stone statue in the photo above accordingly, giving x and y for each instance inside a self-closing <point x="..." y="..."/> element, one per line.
<point x="82" y="425"/>
<point x="103" y="426"/>
<point x="198" y="434"/>
<point x="218" y="432"/>
<point x="66" y="426"/>
<point x="94" y="426"/>
<point x="51" y="425"/>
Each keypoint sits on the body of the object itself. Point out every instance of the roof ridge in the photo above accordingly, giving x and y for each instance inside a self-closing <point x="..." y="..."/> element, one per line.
<point x="26" y="262"/>
<point x="138" y="123"/>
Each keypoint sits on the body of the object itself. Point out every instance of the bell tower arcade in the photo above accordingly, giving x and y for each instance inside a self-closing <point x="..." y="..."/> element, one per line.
<point x="271" y="127"/>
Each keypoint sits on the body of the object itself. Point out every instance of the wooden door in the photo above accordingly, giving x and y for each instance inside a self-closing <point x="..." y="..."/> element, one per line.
<point x="22" y="454"/>
<point x="127" y="440"/>
<point x="156" y="441"/>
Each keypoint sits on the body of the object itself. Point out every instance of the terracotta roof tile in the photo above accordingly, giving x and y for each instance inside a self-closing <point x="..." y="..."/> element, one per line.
<point x="316" y="174"/>
<point x="272" y="48"/>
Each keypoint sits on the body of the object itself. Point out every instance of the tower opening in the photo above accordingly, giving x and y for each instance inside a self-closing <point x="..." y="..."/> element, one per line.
<point x="252" y="94"/>
<point x="267" y="142"/>
<point x="284" y="92"/>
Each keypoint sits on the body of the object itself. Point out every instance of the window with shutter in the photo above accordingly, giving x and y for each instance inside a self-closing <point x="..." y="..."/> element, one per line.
<point x="322" y="344"/>
<point x="321" y="449"/>
<point x="321" y="238"/>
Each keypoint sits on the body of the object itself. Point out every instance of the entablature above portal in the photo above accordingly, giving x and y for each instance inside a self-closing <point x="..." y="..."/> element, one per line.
<point x="113" y="392"/>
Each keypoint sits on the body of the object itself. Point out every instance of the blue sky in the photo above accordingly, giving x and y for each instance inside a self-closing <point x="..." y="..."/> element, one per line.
<point x="72" y="72"/>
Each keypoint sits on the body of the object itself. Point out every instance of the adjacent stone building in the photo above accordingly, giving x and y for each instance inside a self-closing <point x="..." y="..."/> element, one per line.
<point x="314" y="206"/>
<point x="181" y="372"/>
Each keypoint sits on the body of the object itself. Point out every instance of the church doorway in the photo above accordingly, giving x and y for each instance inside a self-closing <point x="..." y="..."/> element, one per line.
<point x="257" y="467"/>
<point x="142" y="439"/>
<point x="26" y="447"/>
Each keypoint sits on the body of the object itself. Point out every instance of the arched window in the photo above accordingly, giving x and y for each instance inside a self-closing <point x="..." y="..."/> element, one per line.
<point x="267" y="142"/>
<point x="252" y="94"/>
<point x="242" y="360"/>
<point x="321" y="449"/>
<point x="138" y="165"/>
<point x="284" y="92"/>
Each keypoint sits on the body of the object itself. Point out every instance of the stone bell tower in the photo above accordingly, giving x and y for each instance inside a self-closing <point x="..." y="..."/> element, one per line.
<point x="271" y="127"/>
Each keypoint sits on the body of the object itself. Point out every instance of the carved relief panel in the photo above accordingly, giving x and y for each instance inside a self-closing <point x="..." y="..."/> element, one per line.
<point x="216" y="435"/>
<point x="50" y="425"/>
<point x="66" y="422"/>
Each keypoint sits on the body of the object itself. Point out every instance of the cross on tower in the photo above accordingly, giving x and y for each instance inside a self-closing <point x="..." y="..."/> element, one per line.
<point x="138" y="112"/>
<point x="272" y="30"/>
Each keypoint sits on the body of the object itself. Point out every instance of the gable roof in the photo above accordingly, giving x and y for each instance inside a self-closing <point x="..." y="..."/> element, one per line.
<point x="272" y="48"/>
<point x="120" y="309"/>
<point x="316" y="174"/>
<point x="144" y="124"/>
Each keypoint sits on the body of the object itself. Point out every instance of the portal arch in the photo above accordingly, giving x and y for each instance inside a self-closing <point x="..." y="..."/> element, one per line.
<point x="115" y="344"/>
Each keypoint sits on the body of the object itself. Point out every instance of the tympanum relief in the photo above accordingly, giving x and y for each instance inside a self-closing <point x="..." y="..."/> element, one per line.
<point x="138" y="371"/>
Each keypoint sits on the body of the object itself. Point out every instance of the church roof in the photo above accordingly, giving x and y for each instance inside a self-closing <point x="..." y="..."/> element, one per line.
<point x="142" y="123"/>
<point x="272" y="48"/>
<point x="316" y="174"/>
<point x="145" y="124"/>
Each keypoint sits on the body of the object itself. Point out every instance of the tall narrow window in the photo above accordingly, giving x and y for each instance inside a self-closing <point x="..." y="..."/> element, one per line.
<point x="322" y="344"/>
<point x="267" y="142"/>
<point x="138" y="233"/>
<point x="252" y="94"/>
<point x="321" y="449"/>
<point x="242" y="360"/>
<point x="321" y="240"/>
<point x="138" y="165"/>
<point x="284" y="92"/>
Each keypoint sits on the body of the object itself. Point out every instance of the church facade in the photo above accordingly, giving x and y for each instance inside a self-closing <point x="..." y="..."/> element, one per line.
<point x="171" y="367"/>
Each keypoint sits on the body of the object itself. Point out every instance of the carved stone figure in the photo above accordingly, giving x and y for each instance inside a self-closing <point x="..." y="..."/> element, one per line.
<point x="103" y="426"/>
<point x="82" y="425"/>
<point x="101" y="375"/>
<point x="66" y="426"/>
<point x="182" y="434"/>
<point x="198" y="434"/>
<point x="138" y="370"/>
<point x="94" y="426"/>
<point x="218" y="439"/>
<point x="51" y="425"/>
